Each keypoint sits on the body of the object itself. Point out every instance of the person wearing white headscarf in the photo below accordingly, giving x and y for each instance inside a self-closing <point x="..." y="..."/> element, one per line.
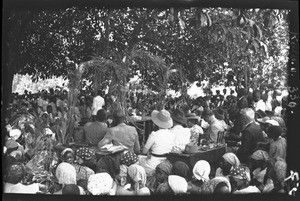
<point x="230" y="160"/>
<point x="65" y="174"/>
<point x="201" y="170"/>
<point x="178" y="184"/>
<point x="101" y="184"/>
<point x="201" y="173"/>
<point x="137" y="179"/>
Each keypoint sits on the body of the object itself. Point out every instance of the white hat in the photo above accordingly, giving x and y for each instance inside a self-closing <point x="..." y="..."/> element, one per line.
<point x="162" y="118"/>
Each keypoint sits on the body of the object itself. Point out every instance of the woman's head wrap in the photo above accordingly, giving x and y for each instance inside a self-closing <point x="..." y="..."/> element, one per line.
<point x="100" y="183"/>
<point x="181" y="169"/>
<point x="232" y="159"/>
<point x="178" y="184"/>
<point x="210" y="186"/>
<point x="240" y="173"/>
<point x="201" y="170"/>
<point x="109" y="165"/>
<point x="129" y="158"/>
<point x="137" y="173"/>
<point x="65" y="173"/>
<point x="85" y="153"/>
<point x="260" y="155"/>
<point x="66" y="150"/>
<point x="165" y="166"/>
<point x="15" y="172"/>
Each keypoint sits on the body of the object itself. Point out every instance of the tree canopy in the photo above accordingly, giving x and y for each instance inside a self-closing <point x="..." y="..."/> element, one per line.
<point x="222" y="45"/>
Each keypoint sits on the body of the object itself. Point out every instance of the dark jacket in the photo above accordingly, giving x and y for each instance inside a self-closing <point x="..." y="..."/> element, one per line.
<point x="251" y="135"/>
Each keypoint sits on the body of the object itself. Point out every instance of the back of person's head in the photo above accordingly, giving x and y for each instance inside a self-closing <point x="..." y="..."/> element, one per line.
<point x="70" y="189"/>
<point x="274" y="132"/>
<point x="221" y="188"/>
<point x="118" y="116"/>
<point x="51" y="90"/>
<point x="101" y="115"/>
<point x="99" y="92"/>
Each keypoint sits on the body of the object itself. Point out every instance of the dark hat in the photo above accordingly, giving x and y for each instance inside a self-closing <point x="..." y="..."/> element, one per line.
<point x="219" y="113"/>
<point x="260" y="114"/>
<point x="178" y="116"/>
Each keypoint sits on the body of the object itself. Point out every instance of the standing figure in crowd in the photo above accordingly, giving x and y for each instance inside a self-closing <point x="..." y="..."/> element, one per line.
<point x="98" y="103"/>
<point x="258" y="103"/>
<point x="279" y="144"/>
<point x="251" y="135"/>
<point x="242" y="101"/>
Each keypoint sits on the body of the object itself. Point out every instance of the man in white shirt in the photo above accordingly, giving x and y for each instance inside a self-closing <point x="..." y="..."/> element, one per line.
<point x="98" y="103"/>
<point x="181" y="135"/>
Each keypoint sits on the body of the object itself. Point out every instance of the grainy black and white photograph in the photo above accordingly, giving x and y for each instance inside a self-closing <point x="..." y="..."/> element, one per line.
<point x="183" y="98"/>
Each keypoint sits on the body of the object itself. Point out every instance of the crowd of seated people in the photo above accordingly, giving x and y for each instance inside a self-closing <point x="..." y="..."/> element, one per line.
<point x="255" y="164"/>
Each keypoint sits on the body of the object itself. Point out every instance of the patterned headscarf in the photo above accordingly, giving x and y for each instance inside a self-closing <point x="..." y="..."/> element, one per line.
<point x="65" y="150"/>
<point x="15" y="172"/>
<point x="165" y="166"/>
<point x="65" y="173"/>
<point x="129" y="158"/>
<point x="260" y="155"/>
<point x="100" y="183"/>
<point x="210" y="186"/>
<point x="232" y="159"/>
<point x="85" y="153"/>
<point x="181" y="169"/>
<point x="201" y="170"/>
<point x="109" y="165"/>
<point x="240" y="173"/>
<point x="178" y="184"/>
<point x="82" y="172"/>
<point x="137" y="174"/>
